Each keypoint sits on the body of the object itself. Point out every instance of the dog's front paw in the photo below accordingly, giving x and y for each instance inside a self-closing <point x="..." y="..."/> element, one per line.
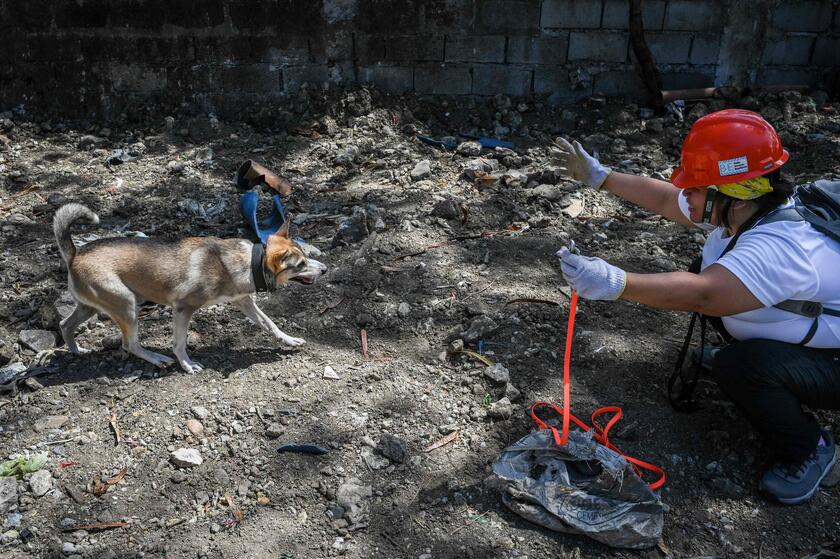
<point x="293" y="342"/>
<point x="82" y="351"/>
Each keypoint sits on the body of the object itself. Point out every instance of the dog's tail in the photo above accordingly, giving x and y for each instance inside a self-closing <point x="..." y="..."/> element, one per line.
<point x="64" y="218"/>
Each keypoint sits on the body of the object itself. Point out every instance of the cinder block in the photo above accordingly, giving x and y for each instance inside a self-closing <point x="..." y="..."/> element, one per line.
<point x="693" y="15"/>
<point x="134" y="14"/>
<point x="617" y="14"/>
<point x="619" y="83"/>
<point x="164" y="49"/>
<point x="93" y="45"/>
<point x="486" y="48"/>
<point x="802" y="15"/>
<point x="335" y="46"/>
<point x="490" y="79"/>
<point x="252" y="78"/>
<point x="190" y="77"/>
<point x="218" y="50"/>
<point x="602" y="46"/>
<point x="705" y="48"/>
<point x="393" y="79"/>
<point x="827" y="51"/>
<point x="90" y="14"/>
<point x="282" y="16"/>
<point x="508" y="16"/>
<point x="793" y="50"/>
<point x="195" y="13"/>
<point x="14" y="43"/>
<point x="669" y="48"/>
<point x="571" y="14"/>
<point x="443" y="79"/>
<point x="369" y="48"/>
<point x="417" y="48"/>
<point x="389" y="16"/>
<point x="548" y="50"/>
<point x="31" y="16"/>
<point x="280" y="49"/>
<point x="136" y="77"/>
<point x="553" y="81"/>
<point x="295" y="76"/>
<point x="687" y="80"/>
<point x="770" y="75"/>
<point x="48" y="48"/>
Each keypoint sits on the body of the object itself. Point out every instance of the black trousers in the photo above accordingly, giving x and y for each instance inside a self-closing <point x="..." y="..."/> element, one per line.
<point x="770" y="381"/>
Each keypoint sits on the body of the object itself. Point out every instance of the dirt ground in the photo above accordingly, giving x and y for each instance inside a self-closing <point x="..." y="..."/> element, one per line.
<point x="421" y="260"/>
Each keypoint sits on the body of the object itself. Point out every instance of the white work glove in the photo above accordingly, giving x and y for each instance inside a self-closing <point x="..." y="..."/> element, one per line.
<point x="592" y="278"/>
<point x="576" y="164"/>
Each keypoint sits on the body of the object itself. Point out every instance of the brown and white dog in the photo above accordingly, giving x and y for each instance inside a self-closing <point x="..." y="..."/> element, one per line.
<point x="116" y="275"/>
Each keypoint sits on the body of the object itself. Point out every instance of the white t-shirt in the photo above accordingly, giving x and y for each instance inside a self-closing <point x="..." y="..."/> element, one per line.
<point x="777" y="262"/>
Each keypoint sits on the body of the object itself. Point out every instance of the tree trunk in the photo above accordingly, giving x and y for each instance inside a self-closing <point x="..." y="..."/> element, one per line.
<point x="647" y="65"/>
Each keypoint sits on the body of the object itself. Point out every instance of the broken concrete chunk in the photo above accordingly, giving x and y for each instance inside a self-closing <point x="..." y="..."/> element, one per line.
<point x="37" y="340"/>
<point x="422" y="170"/>
<point x="476" y="167"/>
<point x="469" y="148"/>
<point x="573" y="205"/>
<point x="353" y="498"/>
<point x="186" y="458"/>
<point x="392" y="448"/>
<point x="41" y="482"/>
<point x="448" y="208"/>
<point x="497" y="373"/>
<point x="353" y="229"/>
<point x="502" y="409"/>
<point x="479" y="328"/>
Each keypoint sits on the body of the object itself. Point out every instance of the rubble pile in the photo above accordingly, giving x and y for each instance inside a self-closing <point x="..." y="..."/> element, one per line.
<point x="441" y="251"/>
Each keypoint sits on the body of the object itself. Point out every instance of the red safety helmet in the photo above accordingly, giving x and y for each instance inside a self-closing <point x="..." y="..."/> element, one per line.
<point x="728" y="146"/>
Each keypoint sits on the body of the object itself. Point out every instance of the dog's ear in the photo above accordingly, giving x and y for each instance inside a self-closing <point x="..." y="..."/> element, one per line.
<point x="284" y="231"/>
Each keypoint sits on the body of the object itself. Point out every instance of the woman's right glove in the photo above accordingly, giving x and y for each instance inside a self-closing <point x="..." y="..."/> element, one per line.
<point x="576" y="164"/>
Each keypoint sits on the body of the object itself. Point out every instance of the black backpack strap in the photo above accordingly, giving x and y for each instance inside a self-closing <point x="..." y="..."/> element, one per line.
<point x="808" y="309"/>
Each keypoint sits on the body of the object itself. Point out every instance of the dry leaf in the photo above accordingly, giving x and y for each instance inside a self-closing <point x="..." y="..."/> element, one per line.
<point x="453" y="436"/>
<point x="115" y="427"/>
<point x="100" y="488"/>
<point x="237" y="513"/>
<point x="95" y="527"/>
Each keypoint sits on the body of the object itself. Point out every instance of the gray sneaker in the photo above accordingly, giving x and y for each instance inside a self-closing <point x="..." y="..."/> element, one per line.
<point x="792" y="484"/>
<point x="709" y="354"/>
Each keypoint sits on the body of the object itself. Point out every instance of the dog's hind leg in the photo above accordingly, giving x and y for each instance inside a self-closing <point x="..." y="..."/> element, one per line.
<point x="69" y="325"/>
<point x="125" y="315"/>
<point x="181" y="321"/>
<point x="250" y="309"/>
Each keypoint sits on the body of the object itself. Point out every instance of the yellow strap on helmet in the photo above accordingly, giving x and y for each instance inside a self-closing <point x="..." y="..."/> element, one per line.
<point x="749" y="189"/>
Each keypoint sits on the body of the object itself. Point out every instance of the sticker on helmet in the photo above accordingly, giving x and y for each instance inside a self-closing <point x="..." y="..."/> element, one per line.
<point x="734" y="166"/>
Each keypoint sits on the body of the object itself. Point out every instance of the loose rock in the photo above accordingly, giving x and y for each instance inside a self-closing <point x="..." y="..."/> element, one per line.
<point x="8" y="494"/>
<point x="353" y="498"/>
<point x="37" y="340"/>
<point x="186" y="458"/>
<point x="502" y="409"/>
<point x="479" y="328"/>
<point x="421" y="170"/>
<point x="497" y="373"/>
<point x="41" y="482"/>
<point x="392" y="448"/>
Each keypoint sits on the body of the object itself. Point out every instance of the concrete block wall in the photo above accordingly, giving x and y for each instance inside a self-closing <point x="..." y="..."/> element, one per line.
<point x="802" y="35"/>
<point x="94" y="57"/>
